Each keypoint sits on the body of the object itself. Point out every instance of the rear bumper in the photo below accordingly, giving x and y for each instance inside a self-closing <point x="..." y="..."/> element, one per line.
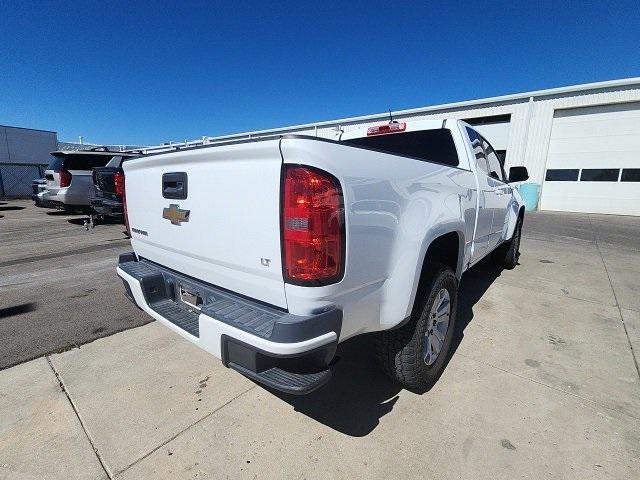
<point x="107" y="207"/>
<point x="286" y="352"/>
<point x="46" y="203"/>
<point x="64" y="198"/>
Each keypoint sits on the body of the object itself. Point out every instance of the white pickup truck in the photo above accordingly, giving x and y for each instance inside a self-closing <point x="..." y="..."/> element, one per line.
<point x="267" y="253"/>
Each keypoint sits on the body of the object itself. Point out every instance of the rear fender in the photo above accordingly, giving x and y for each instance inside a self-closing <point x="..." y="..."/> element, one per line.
<point x="402" y="285"/>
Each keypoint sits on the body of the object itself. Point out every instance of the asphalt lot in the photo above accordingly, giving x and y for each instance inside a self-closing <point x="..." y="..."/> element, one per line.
<point x="543" y="382"/>
<point x="58" y="282"/>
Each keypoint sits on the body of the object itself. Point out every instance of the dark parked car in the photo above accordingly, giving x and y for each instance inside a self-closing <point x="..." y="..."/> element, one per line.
<point x="109" y="187"/>
<point x="38" y="186"/>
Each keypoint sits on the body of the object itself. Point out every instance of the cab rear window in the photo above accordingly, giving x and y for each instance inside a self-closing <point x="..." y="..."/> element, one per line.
<point x="429" y="145"/>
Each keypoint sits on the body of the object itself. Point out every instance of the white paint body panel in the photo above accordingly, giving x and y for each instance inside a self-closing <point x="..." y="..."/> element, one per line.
<point x="394" y="208"/>
<point x="234" y="200"/>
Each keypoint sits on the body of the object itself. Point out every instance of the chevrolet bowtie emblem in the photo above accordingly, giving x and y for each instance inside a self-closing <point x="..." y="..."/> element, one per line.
<point x="175" y="215"/>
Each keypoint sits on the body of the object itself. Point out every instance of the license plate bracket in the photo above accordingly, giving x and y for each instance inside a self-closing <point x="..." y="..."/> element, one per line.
<point x="191" y="298"/>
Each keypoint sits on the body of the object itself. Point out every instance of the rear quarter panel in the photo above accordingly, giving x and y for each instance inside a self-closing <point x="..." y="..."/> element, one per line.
<point x="394" y="208"/>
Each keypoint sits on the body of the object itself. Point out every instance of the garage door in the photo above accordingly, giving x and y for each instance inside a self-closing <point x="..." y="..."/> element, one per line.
<point x="593" y="164"/>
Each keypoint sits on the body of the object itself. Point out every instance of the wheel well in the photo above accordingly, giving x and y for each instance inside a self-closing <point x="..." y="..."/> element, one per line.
<point x="521" y="214"/>
<point x="445" y="249"/>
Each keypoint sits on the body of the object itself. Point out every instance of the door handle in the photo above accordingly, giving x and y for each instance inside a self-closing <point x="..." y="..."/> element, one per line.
<point x="174" y="185"/>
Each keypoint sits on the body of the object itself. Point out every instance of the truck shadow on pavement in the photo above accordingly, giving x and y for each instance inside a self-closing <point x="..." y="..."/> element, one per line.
<point x="103" y="221"/>
<point x="359" y="394"/>
<point x="62" y="213"/>
<point x="17" y="310"/>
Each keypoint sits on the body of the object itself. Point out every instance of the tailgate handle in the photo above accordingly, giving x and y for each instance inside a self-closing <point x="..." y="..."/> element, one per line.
<point x="174" y="185"/>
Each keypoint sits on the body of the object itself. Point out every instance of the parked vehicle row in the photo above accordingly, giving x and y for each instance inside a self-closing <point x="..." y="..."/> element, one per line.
<point x="269" y="252"/>
<point x="87" y="180"/>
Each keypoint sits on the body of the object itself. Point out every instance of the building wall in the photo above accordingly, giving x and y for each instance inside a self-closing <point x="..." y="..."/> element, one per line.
<point x="537" y="141"/>
<point x="24" y="145"/>
<point x="530" y="124"/>
<point x="529" y="129"/>
<point x="22" y="151"/>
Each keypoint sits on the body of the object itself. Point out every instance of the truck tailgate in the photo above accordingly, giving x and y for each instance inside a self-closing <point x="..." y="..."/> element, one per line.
<point x="226" y="231"/>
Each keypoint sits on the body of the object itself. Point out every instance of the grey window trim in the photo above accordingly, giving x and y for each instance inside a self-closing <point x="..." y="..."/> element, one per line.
<point x="469" y="129"/>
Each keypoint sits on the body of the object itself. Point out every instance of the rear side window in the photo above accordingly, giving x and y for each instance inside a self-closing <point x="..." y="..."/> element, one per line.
<point x="429" y="145"/>
<point x="493" y="161"/>
<point x="478" y="151"/>
<point x="55" y="164"/>
<point x="85" y="161"/>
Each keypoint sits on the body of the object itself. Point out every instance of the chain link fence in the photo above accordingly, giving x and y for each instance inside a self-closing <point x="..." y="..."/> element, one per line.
<point x="16" y="178"/>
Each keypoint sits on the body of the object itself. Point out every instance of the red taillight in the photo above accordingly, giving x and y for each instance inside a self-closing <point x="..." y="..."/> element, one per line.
<point x="118" y="183"/>
<point x="125" y="215"/>
<point x="65" y="178"/>
<point x="312" y="227"/>
<point x="388" y="128"/>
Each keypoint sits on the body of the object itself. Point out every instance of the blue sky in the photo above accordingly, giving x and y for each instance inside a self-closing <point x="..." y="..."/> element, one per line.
<point x="149" y="72"/>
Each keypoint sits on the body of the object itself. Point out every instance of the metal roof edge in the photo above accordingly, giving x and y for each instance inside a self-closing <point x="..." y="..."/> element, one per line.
<point x="29" y="128"/>
<point x="445" y="106"/>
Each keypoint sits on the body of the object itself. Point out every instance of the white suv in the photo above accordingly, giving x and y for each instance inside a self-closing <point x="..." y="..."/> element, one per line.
<point x="69" y="180"/>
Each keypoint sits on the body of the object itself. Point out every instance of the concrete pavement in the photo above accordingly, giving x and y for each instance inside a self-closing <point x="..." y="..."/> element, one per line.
<point x="40" y="434"/>
<point x="543" y="384"/>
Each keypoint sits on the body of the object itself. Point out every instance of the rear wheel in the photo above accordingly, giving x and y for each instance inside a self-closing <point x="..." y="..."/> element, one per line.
<point x="416" y="353"/>
<point x="507" y="255"/>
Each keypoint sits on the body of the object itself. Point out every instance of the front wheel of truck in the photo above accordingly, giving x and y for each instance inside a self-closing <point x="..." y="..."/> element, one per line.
<point x="507" y="254"/>
<point x="416" y="353"/>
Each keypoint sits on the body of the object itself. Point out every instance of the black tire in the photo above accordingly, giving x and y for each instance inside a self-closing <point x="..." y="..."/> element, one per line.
<point x="400" y="351"/>
<point x="507" y="255"/>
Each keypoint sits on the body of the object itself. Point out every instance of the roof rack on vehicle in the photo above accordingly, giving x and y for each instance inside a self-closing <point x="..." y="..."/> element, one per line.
<point x="98" y="149"/>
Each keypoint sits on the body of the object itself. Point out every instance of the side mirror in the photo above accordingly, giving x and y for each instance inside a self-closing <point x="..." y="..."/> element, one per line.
<point x="518" y="174"/>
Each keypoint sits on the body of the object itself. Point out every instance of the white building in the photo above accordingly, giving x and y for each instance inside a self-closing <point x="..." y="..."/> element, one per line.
<point x="581" y="144"/>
